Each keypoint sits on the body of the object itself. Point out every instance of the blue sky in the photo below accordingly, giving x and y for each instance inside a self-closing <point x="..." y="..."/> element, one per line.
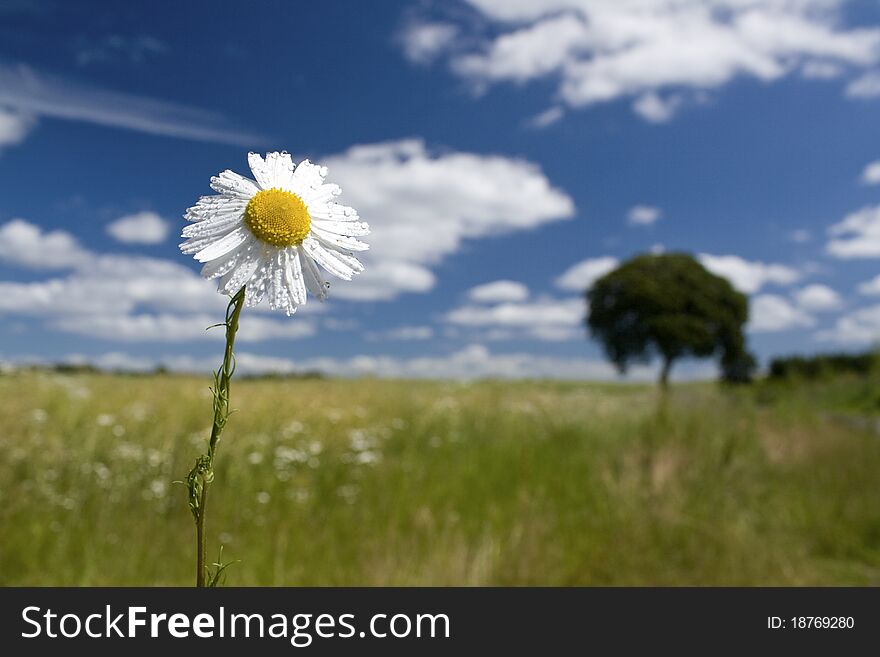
<point x="505" y="152"/>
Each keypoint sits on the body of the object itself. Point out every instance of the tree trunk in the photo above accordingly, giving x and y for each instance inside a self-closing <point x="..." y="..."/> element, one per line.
<point x="664" y="372"/>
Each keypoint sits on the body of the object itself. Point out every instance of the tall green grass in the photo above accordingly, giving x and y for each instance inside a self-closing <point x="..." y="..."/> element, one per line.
<point x="326" y="482"/>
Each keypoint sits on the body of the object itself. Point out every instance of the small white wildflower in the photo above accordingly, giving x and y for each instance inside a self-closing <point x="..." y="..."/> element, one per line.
<point x="105" y="420"/>
<point x="158" y="487"/>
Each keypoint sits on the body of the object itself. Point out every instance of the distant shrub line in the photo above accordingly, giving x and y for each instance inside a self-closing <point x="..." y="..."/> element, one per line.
<point x="823" y="366"/>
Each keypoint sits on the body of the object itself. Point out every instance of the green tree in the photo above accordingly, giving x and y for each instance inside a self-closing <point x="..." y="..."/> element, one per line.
<point x="670" y="306"/>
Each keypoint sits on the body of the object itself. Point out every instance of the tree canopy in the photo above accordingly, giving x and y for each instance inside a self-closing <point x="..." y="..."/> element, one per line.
<point x="669" y="305"/>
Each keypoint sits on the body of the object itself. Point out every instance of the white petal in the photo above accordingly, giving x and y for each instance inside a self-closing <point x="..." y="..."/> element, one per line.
<point x="327" y="259"/>
<point x="296" y="286"/>
<point x="213" y="226"/>
<point x="261" y="170"/>
<point x="233" y="280"/>
<point x="258" y="283"/>
<point x="225" y="264"/>
<point x="312" y="276"/>
<point x="307" y="177"/>
<point x="347" y="228"/>
<point x="209" y="207"/>
<point x="223" y="245"/>
<point x="234" y="185"/>
<point x="339" y="241"/>
<point x="196" y="244"/>
<point x="347" y="258"/>
<point x="278" y="296"/>
<point x="256" y="288"/>
<point x="333" y="212"/>
<point x="280" y="168"/>
<point x="339" y="212"/>
<point x="322" y="195"/>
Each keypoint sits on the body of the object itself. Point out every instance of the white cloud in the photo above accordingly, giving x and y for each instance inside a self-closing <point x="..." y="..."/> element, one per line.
<point x="27" y="245"/>
<point x="856" y="328"/>
<point x="30" y="93"/>
<point x="821" y="70"/>
<point x="871" y="173"/>
<point x="140" y="228"/>
<point x="178" y="328"/>
<point x="581" y="276"/>
<point x="857" y="236"/>
<point x="116" y="297"/>
<point x="384" y="280"/>
<point x="403" y="333"/>
<point x="423" y="42"/>
<point x="748" y="276"/>
<point x="817" y="299"/>
<point x="498" y="291"/>
<point x="643" y="215"/>
<point x="656" y="109"/>
<point x="770" y="313"/>
<point x="872" y="287"/>
<point x="542" y="319"/>
<point x="422" y="206"/>
<point x="547" y="118"/>
<point x="14" y="127"/>
<point x="652" y="51"/>
<point x="865" y="87"/>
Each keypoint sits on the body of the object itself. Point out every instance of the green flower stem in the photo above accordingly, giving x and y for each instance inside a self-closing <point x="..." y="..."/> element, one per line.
<point x="202" y="474"/>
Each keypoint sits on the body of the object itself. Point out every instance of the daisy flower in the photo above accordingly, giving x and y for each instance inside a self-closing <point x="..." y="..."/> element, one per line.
<point x="272" y="235"/>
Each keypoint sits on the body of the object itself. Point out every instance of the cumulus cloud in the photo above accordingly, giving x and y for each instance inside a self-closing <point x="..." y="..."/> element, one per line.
<point x="856" y="328"/>
<point x="27" y="245"/>
<point x="581" y="276"/>
<point x="817" y="299"/>
<point x="117" y="297"/>
<point x="770" y="313"/>
<point x="749" y="276"/>
<point x="403" y="333"/>
<point x="177" y="328"/>
<point x="821" y="70"/>
<point x="14" y="127"/>
<point x="871" y="287"/>
<point x="423" y="205"/>
<point x="864" y="87"/>
<point x="643" y="215"/>
<point x="140" y="228"/>
<point x="545" y="319"/>
<point x="871" y="173"/>
<point x="498" y="291"/>
<point x="423" y="42"/>
<point x="857" y="235"/>
<point x="656" y="109"/>
<point x="547" y="118"/>
<point x="658" y="51"/>
<point x="543" y="312"/>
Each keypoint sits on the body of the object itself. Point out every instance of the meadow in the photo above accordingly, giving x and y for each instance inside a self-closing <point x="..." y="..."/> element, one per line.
<point x="371" y="482"/>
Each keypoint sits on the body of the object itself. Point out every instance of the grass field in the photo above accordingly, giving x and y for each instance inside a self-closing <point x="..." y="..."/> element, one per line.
<point x="326" y="482"/>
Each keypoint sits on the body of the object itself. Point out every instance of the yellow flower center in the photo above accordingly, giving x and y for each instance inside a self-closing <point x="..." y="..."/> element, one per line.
<point x="277" y="217"/>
